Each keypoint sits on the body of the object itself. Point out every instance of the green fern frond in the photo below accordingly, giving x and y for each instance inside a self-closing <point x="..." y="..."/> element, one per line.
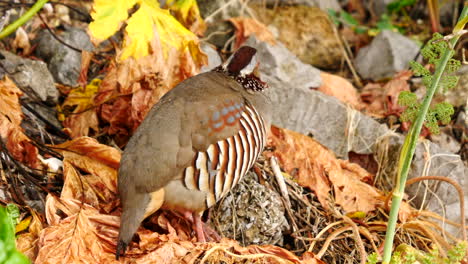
<point x="443" y="112"/>
<point x="447" y="82"/>
<point x="431" y="122"/>
<point x="373" y="258"/>
<point x="418" y="69"/>
<point x="452" y="66"/>
<point x="427" y="80"/>
<point x="456" y="254"/>
<point x="434" y="48"/>
<point x="407" y="98"/>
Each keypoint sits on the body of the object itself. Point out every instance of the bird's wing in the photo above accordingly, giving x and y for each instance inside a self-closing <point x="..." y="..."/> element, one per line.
<point x="184" y="122"/>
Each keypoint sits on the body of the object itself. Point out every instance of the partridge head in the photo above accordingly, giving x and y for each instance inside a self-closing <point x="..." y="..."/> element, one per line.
<point x="195" y="144"/>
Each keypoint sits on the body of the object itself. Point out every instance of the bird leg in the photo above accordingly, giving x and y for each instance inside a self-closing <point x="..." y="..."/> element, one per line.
<point x="199" y="227"/>
<point x="202" y="230"/>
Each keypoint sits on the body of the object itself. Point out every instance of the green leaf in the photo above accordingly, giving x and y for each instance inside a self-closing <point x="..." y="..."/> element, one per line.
<point x="452" y="66"/>
<point x="406" y="98"/>
<point x="456" y="254"/>
<point x="333" y="16"/>
<point x="448" y="82"/>
<point x="385" y="23"/>
<point x="398" y="5"/>
<point x="13" y="212"/>
<point x="372" y="258"/>
<point x="348" y="19"/>
<point x="443" y="112"/>
<point x="418" y="69"/>
<point x="8" y="252"/>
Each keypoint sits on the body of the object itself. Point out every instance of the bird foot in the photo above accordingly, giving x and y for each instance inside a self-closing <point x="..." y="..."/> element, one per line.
<point x="202" y="230"/>
<point x="120" y="251"/>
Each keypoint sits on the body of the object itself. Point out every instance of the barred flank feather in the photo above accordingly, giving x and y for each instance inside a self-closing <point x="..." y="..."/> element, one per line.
<point x="221" y="167"/>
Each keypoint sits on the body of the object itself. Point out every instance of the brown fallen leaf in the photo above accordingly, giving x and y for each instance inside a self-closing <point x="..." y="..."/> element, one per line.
<point x="248" y="26"/>
<point x="340" y="88"/>
<point x="381" y="101"/>
<point x="317" y="168"/>
<point x="83" y="117"/>
<point x="90" y="172"/>
<point x="131" y="87"/>
<point x="27" y="243"/>
<point x="11" y="132"/>
<point x="82" y="235"/>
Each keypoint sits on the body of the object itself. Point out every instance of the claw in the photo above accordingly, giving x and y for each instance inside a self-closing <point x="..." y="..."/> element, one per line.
<point x="120" y="251"/>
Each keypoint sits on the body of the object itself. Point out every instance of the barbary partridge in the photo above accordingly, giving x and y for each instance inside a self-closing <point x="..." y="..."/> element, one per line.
<point x="195" y="144"/>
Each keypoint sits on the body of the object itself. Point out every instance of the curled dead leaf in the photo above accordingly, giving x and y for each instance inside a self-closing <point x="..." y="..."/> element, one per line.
<point x="90" y="172"/>
<point x="248" y="26"/>
<point x="317" y="168"/>
<point x="340" y="88"/>
<point x="11" y="132"/>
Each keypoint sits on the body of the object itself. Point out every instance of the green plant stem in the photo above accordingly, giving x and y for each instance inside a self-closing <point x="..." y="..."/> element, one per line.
<point x="23" y="19"/>
<point x="409" y="146"/>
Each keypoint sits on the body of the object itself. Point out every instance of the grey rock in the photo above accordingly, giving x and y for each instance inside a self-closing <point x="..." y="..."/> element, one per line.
<point x="378" y="6"/>
<point x="299" y="108"/>
<point x="214" y="59"/>
<point x="64" y="63"/>
<point x="322" y="4"/>
<point x="387" y="54"/>
<point x="215" y="13"/>
<point x="31" y="76"/>
<point x="342" y="129"/>
<point x="446" y="142"/>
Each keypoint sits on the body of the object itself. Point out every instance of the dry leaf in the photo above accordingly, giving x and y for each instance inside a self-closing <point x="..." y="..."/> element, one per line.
<point x="98" y="186"/>
<point x="132" y="87"/>
<point x="11" y="132"/>
<point x="383" y="101"/>
<point x="27" y="243"/>
<point x="82" y="236"/>
<point x="340" y="88"/>
<point x="248" y="26"/>
<point x="317" y="168"/>
<point x="187" y="12"/>
<point x="83" y="118"/>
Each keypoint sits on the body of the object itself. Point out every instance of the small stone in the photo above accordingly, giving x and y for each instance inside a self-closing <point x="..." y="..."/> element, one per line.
<point x="387" y="54"/>
<point x="63" y="62"/>
<point x="31" y="76"/>
<point x="213" y="57"/>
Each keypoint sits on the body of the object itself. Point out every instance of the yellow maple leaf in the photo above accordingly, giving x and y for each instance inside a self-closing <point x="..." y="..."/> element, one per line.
<point x="187" y="12"/>
<point x="148" y="21"/>
<point x="82" y="98"/>
<point x="108" y="16"/>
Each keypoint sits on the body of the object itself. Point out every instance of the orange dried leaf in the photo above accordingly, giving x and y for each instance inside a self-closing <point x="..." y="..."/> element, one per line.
<point x="98" y="187"/>
<point x="340" y="88"/>
<point x="83" y="236"/>
<point x="83" y="118"/>
<point x="27" y="243"/>
<point x="317" y="168"/>
<point x="248" y="26"/>
<point x="381" y="101"/>
<point x="17" y="143"/>
<point x="132" y="87"/>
